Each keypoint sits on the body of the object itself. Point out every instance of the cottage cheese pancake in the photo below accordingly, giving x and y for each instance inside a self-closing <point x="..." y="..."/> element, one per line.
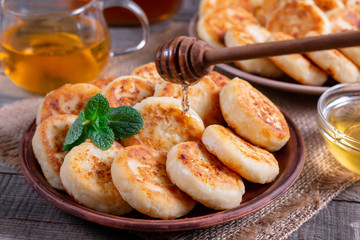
<point x="68" y="99"/>
<point x="328" y="5"/>
<point x="127" y="91"/>
<point x="165" y="124"/>
<point x="48" y="142"/>
<point x="252" y="163"/>
<point x="201" y="175"/>
<point x="219" y="79"/>
<point x="102" y="82"/>
<point x="335" y="64"/>
<point x="139" y="173"/>
<point x="253" y="116"/>
<point x="297" y="19"/>
<point x="344" y="19"/>
<point x="207" y="6"/>
<point x="297" y="66"/>
<point x="213" y="26"/>
<point x="238" y="36"/>
<point x="86" y="175"/>
<point x="148" y="71"/>
<point x="203" y="98"/>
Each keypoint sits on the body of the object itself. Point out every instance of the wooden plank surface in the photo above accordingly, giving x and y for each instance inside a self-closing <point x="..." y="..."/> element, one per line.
<point x="25" y="215"/>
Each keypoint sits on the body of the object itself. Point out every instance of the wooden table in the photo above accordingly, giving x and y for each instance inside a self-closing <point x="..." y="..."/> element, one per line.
<point x="25" y="215"/>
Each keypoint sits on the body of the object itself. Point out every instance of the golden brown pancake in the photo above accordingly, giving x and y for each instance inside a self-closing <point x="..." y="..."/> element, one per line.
<point x="253" y="116"/>
<point x="297" y="19"/>
<point x="86" y="175"/>
<point x="219" y="79"/>
<point x="327" y="5"/>
<point x="344" y="19"/>
<point x="48" y="142"/>
<point x="165" y="124"/>
<point x="207" y="6"/>
<point x="68" y="99"/>
<point x="203" y="98"/>
<point x="240" y="35"/>
<point x="128" y="90"/>
<point x="213" y="26"/>
<point x="102" y="82"/>
<point x="297" y="66"/>
<point x="252" y="163"/>
<point x="148" y="71"/>
<point x="334" y="63"/>
<point x="139" y="173"/>
<point x="202" y="176"/>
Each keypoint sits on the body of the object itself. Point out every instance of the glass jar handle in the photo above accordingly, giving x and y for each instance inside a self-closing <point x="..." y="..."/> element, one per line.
<point x="140" y="14"/>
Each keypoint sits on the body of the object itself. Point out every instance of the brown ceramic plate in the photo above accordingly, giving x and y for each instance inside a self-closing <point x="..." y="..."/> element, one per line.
<point x="257" y="196"/>
<point x="284" y="83"/>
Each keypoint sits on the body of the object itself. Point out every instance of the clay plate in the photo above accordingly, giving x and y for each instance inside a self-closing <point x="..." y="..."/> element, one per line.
<point x="284" y="83"/>
<point x="257" y="196"/>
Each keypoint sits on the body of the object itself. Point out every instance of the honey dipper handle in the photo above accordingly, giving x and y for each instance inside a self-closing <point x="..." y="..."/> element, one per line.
<point x="308" y="44"/>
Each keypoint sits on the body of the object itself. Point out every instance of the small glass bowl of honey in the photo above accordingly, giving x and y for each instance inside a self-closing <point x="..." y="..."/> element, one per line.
<point x="338" y="119"/>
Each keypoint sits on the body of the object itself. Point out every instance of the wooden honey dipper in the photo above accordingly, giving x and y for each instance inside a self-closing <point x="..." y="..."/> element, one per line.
<point x="185" y="60"/>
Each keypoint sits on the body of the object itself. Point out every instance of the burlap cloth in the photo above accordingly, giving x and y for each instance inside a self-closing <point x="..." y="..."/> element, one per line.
<point x="321" y="180"/>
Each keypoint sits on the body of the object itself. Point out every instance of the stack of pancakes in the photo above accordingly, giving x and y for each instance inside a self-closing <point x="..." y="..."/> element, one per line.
<point x="178" y="159"/>
<point x="241" y="22"/>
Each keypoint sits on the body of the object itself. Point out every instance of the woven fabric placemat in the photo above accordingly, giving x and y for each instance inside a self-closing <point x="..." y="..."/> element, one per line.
<point x="321" y="180"/>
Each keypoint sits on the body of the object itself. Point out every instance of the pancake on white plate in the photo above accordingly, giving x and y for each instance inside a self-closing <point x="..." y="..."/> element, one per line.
<point x="297" y="66"/>
<point x="334" y="63"/>
<point x="213" y="26"/>
<point x="298" y="18"/>
<point x="238" y="36"/>
<point x="207" y="6"/>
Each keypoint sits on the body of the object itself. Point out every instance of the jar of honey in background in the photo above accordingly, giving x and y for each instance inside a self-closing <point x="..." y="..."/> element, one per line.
<point x="155" y="10"/>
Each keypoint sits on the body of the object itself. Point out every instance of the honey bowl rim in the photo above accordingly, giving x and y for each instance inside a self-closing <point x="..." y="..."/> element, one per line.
<point x="325" y="127"/>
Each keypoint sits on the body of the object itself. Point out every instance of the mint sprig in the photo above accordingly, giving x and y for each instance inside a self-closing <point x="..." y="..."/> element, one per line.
<point x="103" y="124"/>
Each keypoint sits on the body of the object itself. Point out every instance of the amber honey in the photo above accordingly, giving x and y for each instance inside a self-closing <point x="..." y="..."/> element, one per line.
<point x="40" y="60"/>
<point x="344" y="143"/>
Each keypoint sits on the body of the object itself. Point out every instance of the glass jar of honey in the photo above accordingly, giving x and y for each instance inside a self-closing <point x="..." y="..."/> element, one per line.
<point x="156" y="11"/>
<point x="338" y="120"/>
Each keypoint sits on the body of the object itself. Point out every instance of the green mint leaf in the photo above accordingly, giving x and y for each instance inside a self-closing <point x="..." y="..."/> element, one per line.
<point x="98" y="105"/>
<point x="102" y="137"/>
<point x="101" y="121"/>
<point x="80" y="140"/>
<point x="125" y="121"/>
<point x="75" y="134"/>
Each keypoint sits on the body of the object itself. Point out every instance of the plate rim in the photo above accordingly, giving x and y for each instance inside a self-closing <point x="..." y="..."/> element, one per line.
<point x="157" y="225"/>
<point x="267" y="82"/>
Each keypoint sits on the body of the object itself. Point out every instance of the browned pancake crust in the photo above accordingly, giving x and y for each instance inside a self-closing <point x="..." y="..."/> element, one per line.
<point x="297" y="19"/>
<point x="219" y="79"/>
<point x="68" y="99"/>
<point x="219" y="21"/>
<point x="102" y="82"/>
<point x="128" y="90"/>
<point x="210" y="5"/>
<point x="148" y="71"/>
<point x="216" y="174"/>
